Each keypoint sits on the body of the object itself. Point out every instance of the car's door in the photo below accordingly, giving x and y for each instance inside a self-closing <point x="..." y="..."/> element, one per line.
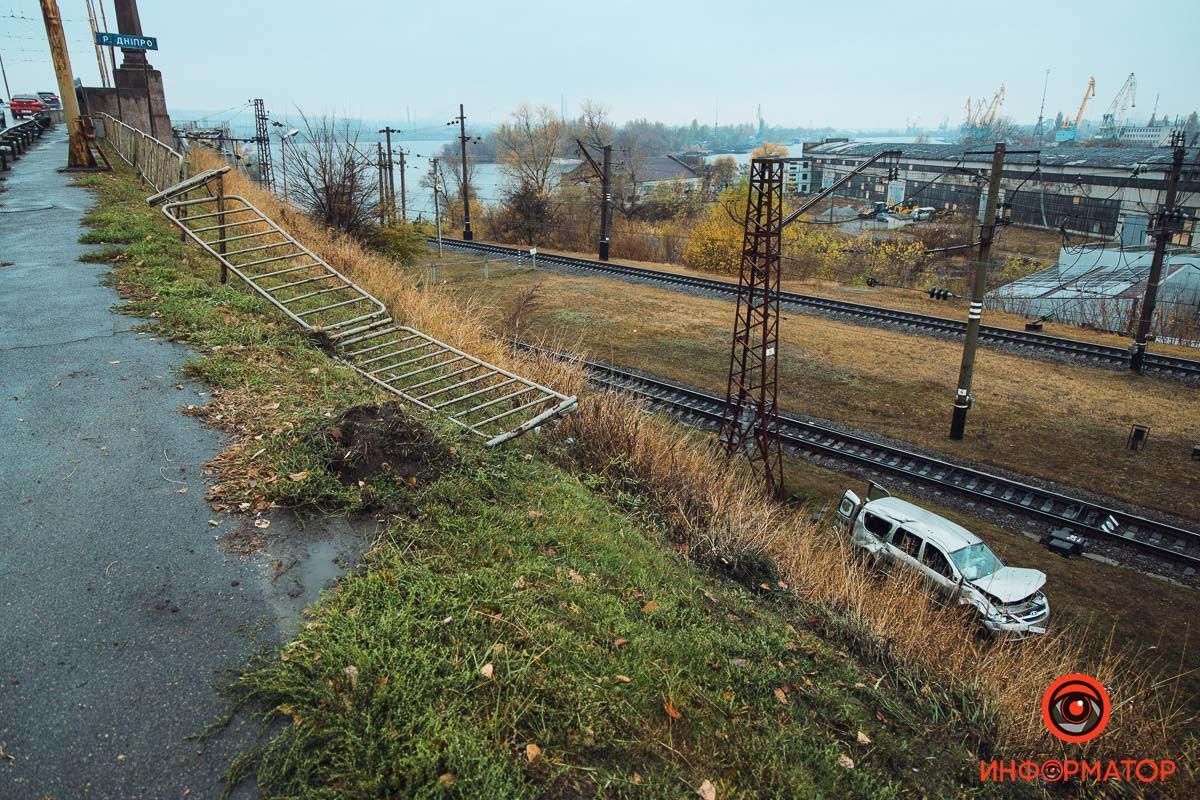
<point x="937" y="569"/>
<point x="906" y="548"/>
<point x="878" y="529"/>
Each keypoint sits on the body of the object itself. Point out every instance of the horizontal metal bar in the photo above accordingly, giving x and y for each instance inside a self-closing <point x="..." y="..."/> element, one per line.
<point x="458" y="385"/>
<point x="223" y="225"/>
<point x="377" y="328"/>
<point x="360" y="351"/>
<point x="416" y="360"/>
<point x="440" y="378"/>
<point x="269" y="260"/>
<point x="239" y="210"/>
<point x="419" y="371"/>
<point x="306" y="295"/>
<point x="300" y="282"/>
<point x="260" y="247"/>
<point x="177" y="203"/>
<point x="335" y="325"/>
<point x="563" y="407"/>
<point x="394" y="352"/>
<point x="253" y="278"/>
<point x="476" y="393"/>
<point x="243" y="236"/>
<point x="358" y="299"/>
<point x="536" y="401"/>
<point x="508" y="396"/>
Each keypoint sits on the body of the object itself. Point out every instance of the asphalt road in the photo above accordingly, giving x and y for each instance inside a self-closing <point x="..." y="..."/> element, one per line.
<point x="121" y="611"/>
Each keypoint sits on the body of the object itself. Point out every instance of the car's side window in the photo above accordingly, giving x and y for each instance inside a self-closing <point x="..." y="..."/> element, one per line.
<point x="909" y="542"/>
<point x="877" y="525"/>
<point x="936" y="561"/>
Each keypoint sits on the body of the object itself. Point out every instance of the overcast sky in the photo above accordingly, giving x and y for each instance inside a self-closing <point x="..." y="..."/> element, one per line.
<point x="863" y="64"/>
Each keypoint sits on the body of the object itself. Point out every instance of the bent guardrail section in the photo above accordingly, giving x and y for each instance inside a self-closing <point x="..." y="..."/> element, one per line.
<point x="353" y="325"/>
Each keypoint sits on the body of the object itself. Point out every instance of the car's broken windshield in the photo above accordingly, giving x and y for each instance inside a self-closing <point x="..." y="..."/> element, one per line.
<point x="976" y="561"/>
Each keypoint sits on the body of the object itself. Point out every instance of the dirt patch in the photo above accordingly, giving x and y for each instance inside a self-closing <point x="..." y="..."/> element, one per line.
<point x="368" y="440"/>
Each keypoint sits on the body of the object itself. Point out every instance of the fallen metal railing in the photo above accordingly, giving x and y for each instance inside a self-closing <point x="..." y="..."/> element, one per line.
<point x="159" y="164"/>
<point x="349" y="322"/>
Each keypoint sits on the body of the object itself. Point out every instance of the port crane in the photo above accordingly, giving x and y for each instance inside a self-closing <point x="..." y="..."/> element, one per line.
<point x="1114" y="118"/>
<point x="1070" y="128"/>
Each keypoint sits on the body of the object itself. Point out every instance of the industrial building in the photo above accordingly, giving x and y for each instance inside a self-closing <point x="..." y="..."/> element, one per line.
<point x="1102" y="287"/>
<point x="1105" y="192"/>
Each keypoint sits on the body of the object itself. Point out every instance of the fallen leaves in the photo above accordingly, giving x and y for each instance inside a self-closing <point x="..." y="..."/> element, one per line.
<point x="707" y="791"/>
<point x="262" y="523"/>
<point x="299" y="476"/>
<point x="532" y="752"/>
<point x="622" y="679"/>
<point x="863" y="738"/>
<point x="487" y="670"/>
<point x="447" y="779"/>
<point x="845" y="761"/>
<point x="672" y="711"/>
<point x="619" y="643"/>
<point x="781" y="695"/>
<point x="650" y="607"/>
<point x="352" y="673"/>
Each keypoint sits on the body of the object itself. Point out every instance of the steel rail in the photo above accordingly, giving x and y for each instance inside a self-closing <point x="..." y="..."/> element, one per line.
<point x="1160" y="538"/>
<point x="1028" y="342"/>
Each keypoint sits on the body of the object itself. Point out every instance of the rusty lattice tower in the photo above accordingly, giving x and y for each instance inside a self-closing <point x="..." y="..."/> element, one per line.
<point x="751" y="424"/>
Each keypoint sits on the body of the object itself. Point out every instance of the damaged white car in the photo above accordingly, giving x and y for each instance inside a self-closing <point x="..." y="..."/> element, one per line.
<point x="890" y="531"/>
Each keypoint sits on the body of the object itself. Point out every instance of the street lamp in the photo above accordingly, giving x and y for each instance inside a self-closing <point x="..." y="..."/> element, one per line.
<point x="283" y="140"/>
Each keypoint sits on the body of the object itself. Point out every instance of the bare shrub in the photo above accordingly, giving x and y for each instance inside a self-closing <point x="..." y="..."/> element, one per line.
<point x="331" y="178"/>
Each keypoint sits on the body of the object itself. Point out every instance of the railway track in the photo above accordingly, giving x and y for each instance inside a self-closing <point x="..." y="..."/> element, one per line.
<point x="1026" y="342"/>
<point x="704" y="409"/>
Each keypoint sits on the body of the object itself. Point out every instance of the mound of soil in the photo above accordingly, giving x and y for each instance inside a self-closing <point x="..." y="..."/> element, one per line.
<point x="368" y="440"/>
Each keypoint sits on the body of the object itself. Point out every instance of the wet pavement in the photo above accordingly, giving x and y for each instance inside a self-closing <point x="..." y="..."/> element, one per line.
<point x="122" y="609"/>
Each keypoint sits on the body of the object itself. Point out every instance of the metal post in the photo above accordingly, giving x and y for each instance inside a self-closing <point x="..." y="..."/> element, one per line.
<point x="379" y="175"/>
<point x="149" y="108"/>
<point x="987" y="231"/>
<point x="485" y="269"/>
<point x="112" y="57"/>
<point x="462" y="136"/>
<point x="437" y="211"/>
<point x="606" y="202"/>
<point x="1164" y="220"/>
<point x="389" y="182"/>
<point x="223" y="230"/>
<point x="403" y="191"/>
<point x="283" y="167"/>
<point x="79" y="155"/>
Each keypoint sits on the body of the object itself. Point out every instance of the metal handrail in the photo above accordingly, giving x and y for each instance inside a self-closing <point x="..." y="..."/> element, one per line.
<point x="157" y="162"/>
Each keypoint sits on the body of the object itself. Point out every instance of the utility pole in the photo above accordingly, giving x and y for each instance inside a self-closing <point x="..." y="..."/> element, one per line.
<point x="987" y="231"/>
<point x="379" y="164"/>
<point x="1164" y="224"/>
<point x="606" y="202"/>
<point x="262" y="137"/>
<point x="437" y="209"/>
<point x="403" y="191"/>
<point x="461" y="119"/>
<point x="604" y="174"/>
<point x="79" y="155"/>
<point x="390" y="182"/>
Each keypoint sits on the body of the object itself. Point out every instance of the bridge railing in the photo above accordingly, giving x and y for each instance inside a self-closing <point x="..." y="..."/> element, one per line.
<point x="159" y="164"/>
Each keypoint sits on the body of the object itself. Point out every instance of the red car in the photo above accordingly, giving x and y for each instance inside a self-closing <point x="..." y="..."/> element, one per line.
<point x="26" y="105"/>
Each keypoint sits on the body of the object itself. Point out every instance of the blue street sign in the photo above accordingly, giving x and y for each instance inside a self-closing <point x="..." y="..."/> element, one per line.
<point x="127" y="42"/>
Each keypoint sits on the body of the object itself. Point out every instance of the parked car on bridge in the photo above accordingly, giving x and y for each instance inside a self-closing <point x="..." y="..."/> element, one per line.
<point x="955" y="562"/>
<point x="25" y="105"/>
<point x="49" y="99"/>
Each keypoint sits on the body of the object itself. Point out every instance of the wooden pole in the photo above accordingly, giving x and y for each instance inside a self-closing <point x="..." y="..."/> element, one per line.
<point x="79" y="155"/>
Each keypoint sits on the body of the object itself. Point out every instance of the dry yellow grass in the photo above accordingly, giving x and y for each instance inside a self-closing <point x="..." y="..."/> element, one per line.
<point x="719" y="512"/>
<point x="1062" y="423"/>
<point x="903" y="300"/>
